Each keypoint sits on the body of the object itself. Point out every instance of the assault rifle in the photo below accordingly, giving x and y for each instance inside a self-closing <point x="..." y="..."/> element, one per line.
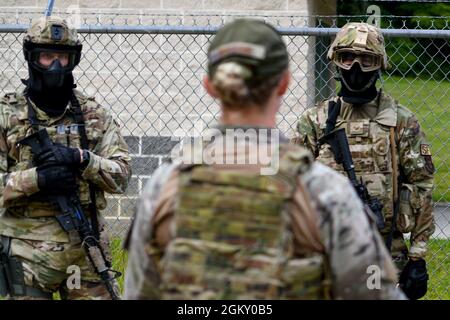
<point x="72" y="218"/>
<point x="337" y="139"/>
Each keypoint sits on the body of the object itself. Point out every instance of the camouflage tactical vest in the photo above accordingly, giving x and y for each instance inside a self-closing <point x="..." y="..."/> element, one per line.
<point x="370" y="147"/>
<point x="232" y="236"/>
<point x="64" y="131"/>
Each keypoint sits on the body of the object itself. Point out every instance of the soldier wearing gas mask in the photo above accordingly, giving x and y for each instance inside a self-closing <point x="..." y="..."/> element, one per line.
<point x="51" y="60"/>
<point x="87" y="158"/>
<point x="389" y="149"/>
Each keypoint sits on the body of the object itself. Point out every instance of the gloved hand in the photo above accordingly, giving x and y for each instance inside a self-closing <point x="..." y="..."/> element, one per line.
<point x="56" y="179"/>
<point x="59" y="154"/>
<point x="414" y="278"/>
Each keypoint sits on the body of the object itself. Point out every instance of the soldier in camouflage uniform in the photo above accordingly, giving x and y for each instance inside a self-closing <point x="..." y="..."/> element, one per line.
<point x="388" y="147"/>
<point x="33" y="242"/>
<point x="214" y="229"/>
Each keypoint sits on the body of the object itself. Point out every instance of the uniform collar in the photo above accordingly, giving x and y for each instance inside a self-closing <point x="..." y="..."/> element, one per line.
<point x="387" y="110"/>
<point x="41" y="115"/>
<point x="222" y="128"/>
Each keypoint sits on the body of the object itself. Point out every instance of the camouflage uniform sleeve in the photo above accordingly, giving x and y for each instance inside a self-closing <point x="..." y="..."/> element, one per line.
<point x="306" y="134"/>
<point x="109" y="168"/>
<point x="17" y="184"/>
<point x="142" y="276"/>
<point x="417" y="169"/>
<point x="361" y="267"/>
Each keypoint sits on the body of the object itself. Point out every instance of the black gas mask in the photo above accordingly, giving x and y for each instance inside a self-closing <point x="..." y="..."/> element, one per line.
<point x="50" y="85"/>
<point x="358" y="87"/>
<point x="357" y="81"/>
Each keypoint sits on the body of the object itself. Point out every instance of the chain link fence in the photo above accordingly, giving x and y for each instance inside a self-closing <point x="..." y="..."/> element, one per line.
<point x="148" y="69"/>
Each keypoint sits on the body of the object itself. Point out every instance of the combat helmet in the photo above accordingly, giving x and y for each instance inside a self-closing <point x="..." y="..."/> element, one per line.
<point x="50" y="34"/>
<point x="357" y="38"/>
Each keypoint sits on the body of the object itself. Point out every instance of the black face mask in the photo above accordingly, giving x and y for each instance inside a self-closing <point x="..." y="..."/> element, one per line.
<point x="358" y="87"/>
<point x="54" y="76"/>
<point x="50" y="88"/>
<point x="50" y="91"/>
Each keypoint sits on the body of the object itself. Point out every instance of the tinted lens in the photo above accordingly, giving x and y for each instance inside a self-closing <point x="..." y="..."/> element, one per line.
<point x="347" y="58"/>
<point x="367" y="61"/>
<point x="46" y="58"/>
<point x="43" y="58"/>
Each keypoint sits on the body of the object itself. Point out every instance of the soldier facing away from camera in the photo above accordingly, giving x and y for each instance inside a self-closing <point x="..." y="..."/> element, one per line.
<point x="391" y="155"/>
<point x="87" y="158"/>
<point x="224" y="230"/>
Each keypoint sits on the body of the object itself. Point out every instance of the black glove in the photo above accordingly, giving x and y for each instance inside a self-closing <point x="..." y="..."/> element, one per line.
<point x="56" y="179"/>
<point x="413" y="279"/>
<point x="59" y="154"/>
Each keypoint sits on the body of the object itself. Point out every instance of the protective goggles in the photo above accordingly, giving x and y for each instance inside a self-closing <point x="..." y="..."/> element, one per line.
<point x="367" y="61"/>
<point x="41" y="57"/>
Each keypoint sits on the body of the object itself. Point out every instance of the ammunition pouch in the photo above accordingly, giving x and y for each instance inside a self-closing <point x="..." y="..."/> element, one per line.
<point x="12" y="281"/>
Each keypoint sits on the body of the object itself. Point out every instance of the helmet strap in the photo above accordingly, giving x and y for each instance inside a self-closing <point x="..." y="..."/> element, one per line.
<point x="380" y="76"/>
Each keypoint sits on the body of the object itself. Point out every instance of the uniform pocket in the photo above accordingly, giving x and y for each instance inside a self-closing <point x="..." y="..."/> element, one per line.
<point x="406" y="219"/>
<point x="381" y="154"/>
<point x="93" y="136"/>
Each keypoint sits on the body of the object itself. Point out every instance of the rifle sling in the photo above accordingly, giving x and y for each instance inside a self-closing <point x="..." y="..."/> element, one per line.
<point x="34" y="122"/>
<point x="394" y="187"/>
<point x="334" y="109"/>
<point x="79" y="119"/>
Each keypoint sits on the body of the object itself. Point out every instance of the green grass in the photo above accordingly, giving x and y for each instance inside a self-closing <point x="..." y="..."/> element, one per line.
<point x="439" y="270"/>
<point x="120" y="259"/>
<point x="429" y="99"/>
<point x="438" y="267"/>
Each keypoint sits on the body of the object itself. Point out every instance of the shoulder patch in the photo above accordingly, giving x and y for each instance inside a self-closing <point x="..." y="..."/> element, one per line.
<point x="425" y="150"/>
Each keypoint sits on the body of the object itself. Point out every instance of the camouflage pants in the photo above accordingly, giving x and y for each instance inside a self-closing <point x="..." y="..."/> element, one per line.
<point x="49" y="266"/>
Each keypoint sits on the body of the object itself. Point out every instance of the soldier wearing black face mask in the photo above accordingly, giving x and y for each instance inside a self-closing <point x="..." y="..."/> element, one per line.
<point x="358" y="87"/>
<point x="390" y="153"/>
<point x="87" y="157"/>
<point x="51" y="56"/>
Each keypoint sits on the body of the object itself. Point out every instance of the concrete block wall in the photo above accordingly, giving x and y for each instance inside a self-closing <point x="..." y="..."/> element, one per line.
<point x="147" y="153"/>
<point x="281" y="5"/>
